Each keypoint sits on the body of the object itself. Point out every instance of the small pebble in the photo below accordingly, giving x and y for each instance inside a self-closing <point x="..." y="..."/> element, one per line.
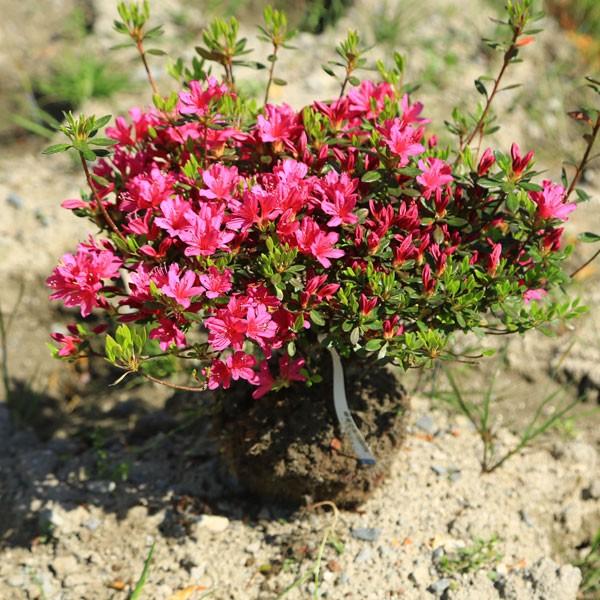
<point x="92" y="524"/>
<point x="365" y="534"/>
<point x="454" y="474"/>
<point x="439" y="469"/>
<point x="214" y="523"/>
<point x="437" y="554"/>
<point x="365" y="555"/>
<point x="252" y="548"/>
<point x="525" y="518"/>
<point x="440" y="586"/>
<point x="42" y="218"/>
<point x="15" y="200"/>
<point x="425" y="423"/>
<point x="101" y="487"/>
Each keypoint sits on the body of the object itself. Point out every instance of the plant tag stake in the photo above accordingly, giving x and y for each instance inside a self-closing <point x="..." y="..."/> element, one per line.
<point x="342" y="410"/>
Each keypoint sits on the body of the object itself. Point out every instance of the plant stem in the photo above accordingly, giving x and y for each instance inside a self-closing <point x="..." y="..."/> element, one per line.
<point x="140" y="48"/>
<point x="99" y="203"/>
<point x="185" y="388"/>
<point x="271" y="71"/>
<point x="576" y="176"/>
<point x="585" y="157"/>
<point x="508" y="55"/>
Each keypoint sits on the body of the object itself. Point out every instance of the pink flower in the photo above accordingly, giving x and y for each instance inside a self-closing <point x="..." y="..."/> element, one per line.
<point x="197" y="101"/>
<point x="69" y="344"/>
<point x="312" y="240"/>
<point x="168" y="334"/>
<point x="219" y="375"/>
<point x="368" y="98"/>
<point x="78" y="279"/>
<point x="216" y="283"/>
<point x="485" y="162"/>
<point x="428" y="280"/>
<point x="289" y="370"/>
<point x="531" y="295"/>
<point x="148" y="190"/>
<point x="340" y="209"/>
<point x="173" y="219"/>
<point x="494" y="258"/>
<point x="226" y="329"/>
<point x="264" y="380"/>
<point x="366" y="305"/>
<point x="403" y="141"/>
<point x="551" y="202"/>
<point x="220" y="181"/>
<point x="278" y="124"/>
<point x="181" y="287"/>
<point x="519" y="163"/>
<point x="259" y="324"/>
<point x="434" y="177"/>
<point x="205" y="236"/>
<point x="411" y="112"/>
<point x="240" y="365"/>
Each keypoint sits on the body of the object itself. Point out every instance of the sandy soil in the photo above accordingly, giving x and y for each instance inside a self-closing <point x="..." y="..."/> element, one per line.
<point x="91" y="476"/>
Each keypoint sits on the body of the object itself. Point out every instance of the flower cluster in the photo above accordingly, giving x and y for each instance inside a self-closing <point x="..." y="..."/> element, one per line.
<point x="244" y="242"/>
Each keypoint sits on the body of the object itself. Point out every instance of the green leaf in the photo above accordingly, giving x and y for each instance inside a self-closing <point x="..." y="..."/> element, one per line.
<point x="317" y="318"/>
<point x="141" y="582"/>
<point x="103" y="142"/>
<point x="156" y="52"/>
<point x="56" y="148"/>
<point x="373" y="345"/>
<point x="589" y="237"/>
<point x="371" y="176"/>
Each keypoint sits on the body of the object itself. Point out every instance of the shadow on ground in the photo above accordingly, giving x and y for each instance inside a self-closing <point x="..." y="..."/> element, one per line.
<point x="115" y="454"/>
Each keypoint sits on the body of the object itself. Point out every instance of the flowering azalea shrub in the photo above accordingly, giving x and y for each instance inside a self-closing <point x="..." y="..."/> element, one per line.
<point x="236" y="242"/>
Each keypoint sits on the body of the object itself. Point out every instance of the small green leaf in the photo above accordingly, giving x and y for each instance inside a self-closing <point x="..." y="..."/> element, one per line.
<point x="56" y="148"/>
<point x="589" y="237"/>
<point x="317" y="318"/>
<point x="371" y="176"/>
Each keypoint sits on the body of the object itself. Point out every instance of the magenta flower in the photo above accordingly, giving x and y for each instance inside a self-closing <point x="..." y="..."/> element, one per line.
<point x="219" y="375"/>
<point x="486" y="162"/>
<point x="259" y="324"/>
<point x="434" y="177"/>
<point x="340" y="209"/>
<point x="278" y="124"/>
<point x="225" y="330"/>
<point x="205" y="236"/>
<point x="264" y="380"/>
<point x="168" y="334"/>
<point x="240" y="366"/>
<point x="531" y="295"/>
<point x="312" y="240"/>
<point x="220" y="181"/>
<point x="174" y="219"/>
<point x="494" y="258"/>
<point x="289" y="370"/>
<point x="519" y="163"/>
<point x="180" y="286"/>
<point x="216" y="283"/>
<point x="551" y="202"/>
<point x="403" y="142"/>
<point x="69" y="344"/>
<point x="78" y="279"/>
<point x="197" y="101"/>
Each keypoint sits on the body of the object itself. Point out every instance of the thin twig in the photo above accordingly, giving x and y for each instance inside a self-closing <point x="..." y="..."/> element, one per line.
<point x="175" y="386"/>
<point x="99" y="203"/>
<point x="508" y="55"/>
<point x="585" y="158"/>
<point x="140" y="48"/>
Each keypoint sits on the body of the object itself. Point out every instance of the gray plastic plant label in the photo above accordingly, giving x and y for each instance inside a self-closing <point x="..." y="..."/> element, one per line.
<point x="342" y="410"/>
